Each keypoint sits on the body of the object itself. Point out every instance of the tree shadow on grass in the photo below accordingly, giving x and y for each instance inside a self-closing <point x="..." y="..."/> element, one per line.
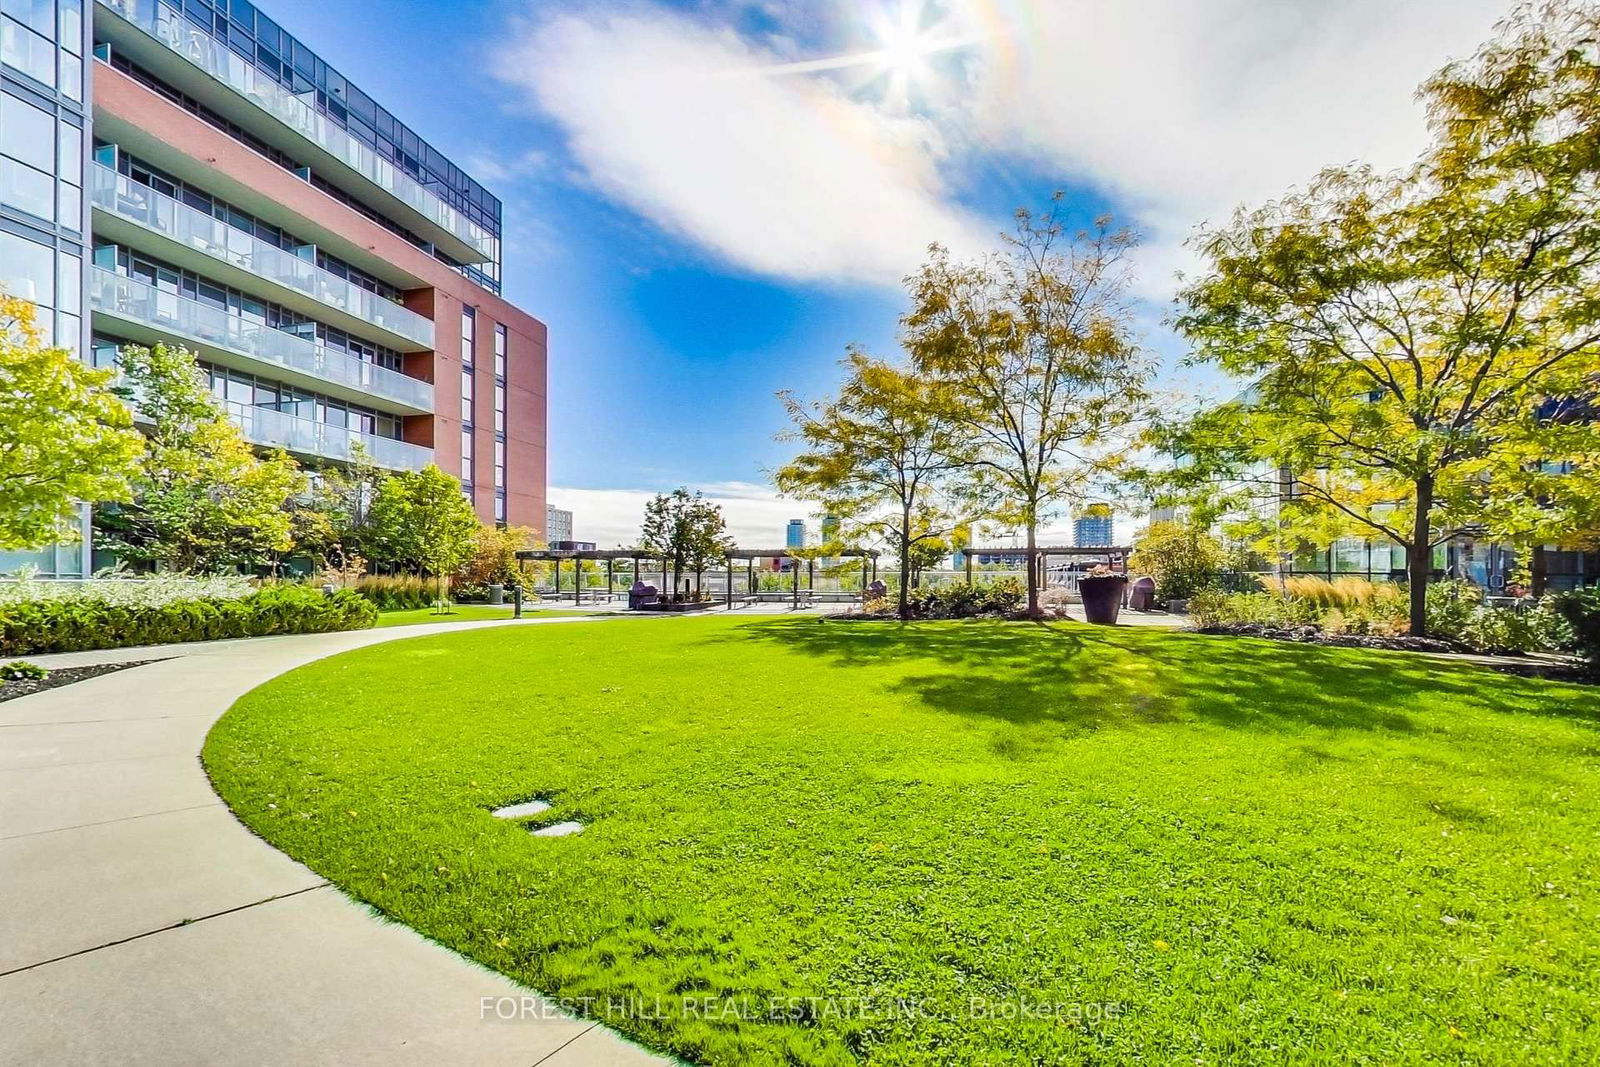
<point x="1087" y="677"/>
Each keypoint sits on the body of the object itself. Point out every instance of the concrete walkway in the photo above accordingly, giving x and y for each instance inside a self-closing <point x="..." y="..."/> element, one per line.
<point x="140" y="923"/>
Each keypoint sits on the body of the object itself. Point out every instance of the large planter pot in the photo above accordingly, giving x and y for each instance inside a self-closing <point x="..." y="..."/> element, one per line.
<point x="1102" y="597"/>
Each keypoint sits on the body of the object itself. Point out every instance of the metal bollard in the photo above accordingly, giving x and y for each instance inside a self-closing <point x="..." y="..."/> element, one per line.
<point x="516" y="601"/>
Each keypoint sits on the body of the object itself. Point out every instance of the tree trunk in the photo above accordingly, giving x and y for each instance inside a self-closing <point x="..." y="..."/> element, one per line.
<point x="1538" y="571"/>
<point x="1419" y="557"/>
<point x="1033" y="571"/>
<point x="905" y="563"/>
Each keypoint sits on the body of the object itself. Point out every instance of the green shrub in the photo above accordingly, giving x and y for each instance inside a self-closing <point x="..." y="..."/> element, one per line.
<point x="22" y="671"/>
<point x="1580" y="609"/>
<point x="1450" y="606"/>
<point x="958" y="600"/>
<point x="398" y="592"/>
<point x="1183" y="558"/>
<point x="40" y="626"/>
<point x="1456" y="612"/>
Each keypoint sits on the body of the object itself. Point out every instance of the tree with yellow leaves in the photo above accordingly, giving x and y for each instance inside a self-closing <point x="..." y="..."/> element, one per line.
<point x="1420" y="344"/>
<point x="65" y="437"/>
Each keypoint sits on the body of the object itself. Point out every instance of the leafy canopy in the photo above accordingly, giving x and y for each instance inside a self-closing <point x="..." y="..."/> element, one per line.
<point x="65" y="436"/>
<point x="420" y="520"/>
<point x="1036" y="348"/>
<point x="886" y="457"/>
<point x="685" y="529"/>
<point x="203" y="500"/>
<point x="1420" y="344"/>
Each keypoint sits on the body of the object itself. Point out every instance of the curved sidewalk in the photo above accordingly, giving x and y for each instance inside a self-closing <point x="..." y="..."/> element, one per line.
<point x="140" y="923"/>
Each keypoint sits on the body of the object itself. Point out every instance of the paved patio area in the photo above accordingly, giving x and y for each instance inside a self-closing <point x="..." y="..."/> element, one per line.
<point x="140" y="923"/>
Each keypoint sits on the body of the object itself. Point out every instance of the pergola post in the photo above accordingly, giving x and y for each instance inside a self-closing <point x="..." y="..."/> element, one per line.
<point x="750" y="576"/>
<point x="864" y="577"/>
<point x="811" y="576"/>
<point x="967" y="556"/>
<point x="577" y="581"/>
<point x="611" y="565"/>
<point x="794" y="571"/>
<point x="729" y="591"/>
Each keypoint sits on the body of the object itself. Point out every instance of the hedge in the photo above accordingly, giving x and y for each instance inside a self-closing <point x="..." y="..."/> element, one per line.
<point x="39" y="626"/>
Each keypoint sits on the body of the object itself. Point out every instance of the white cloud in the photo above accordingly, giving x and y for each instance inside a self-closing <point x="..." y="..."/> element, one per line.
<point x="1181" y="110"/>
<point x="784" y="175"/>
<point x="610" y="518"/>
<point x="1178" y="109"/>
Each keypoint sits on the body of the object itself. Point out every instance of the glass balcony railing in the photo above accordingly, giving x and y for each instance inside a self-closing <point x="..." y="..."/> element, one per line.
<point x="128" y="199"/>
<point x="275" y="429"/>
<point x="167" y="25"/>
<point x="128" y="298"/>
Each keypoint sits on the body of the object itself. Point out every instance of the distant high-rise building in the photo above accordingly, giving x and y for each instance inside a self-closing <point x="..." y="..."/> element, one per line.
<point x="557" y="525"/>
<point x="830" y="527"/>
<point x="796" y="535"/>
<point x="1093" y="530"/>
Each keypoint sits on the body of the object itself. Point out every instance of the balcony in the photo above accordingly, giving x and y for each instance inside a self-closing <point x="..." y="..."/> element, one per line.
<point x="162" y="34"/>
<point x="148" y="315"/>
<point x="307" y="437"/>
<point x="128" y="211"/>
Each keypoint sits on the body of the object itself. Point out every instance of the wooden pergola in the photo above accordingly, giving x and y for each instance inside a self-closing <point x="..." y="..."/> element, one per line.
<point x="610" y="556"/>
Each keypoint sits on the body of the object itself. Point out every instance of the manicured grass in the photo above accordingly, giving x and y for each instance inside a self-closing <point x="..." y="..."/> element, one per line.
<point x="466" y="613"/>
<point x="973" y="843"/>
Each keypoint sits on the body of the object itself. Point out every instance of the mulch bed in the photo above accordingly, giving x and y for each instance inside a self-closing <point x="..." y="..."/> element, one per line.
<point x="62" y="676"/>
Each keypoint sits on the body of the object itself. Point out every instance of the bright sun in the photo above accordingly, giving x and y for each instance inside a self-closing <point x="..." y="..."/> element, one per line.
<point x="902" y="58"/>
<point x="905" y="46"/>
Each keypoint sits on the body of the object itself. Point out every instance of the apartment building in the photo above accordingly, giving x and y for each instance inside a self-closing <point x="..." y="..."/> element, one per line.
<point x="192" y="173"/>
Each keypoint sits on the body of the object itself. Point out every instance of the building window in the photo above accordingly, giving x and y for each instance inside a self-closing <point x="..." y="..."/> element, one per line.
<point x="500" y="409"/>
<point x="466" y="457"/>
<point x="469" y="335"/>
<point x="28" y="165"/>
<point x="500" y="352"/>
<point x="31" y="53"/>
<point x="499" y="464"/>
<point x="466" y="396"/>
<point x="500" y="508"/>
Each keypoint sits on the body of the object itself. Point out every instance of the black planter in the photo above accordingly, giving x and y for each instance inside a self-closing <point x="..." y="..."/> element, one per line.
<point x="1102" y="597"/>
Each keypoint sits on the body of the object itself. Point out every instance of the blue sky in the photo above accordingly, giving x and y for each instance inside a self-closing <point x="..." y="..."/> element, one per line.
<point x="706" y="201"/>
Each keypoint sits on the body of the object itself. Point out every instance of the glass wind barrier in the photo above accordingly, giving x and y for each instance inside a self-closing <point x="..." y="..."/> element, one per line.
<point x="194" y="229"/>
<point x="167" y="25"/>
<point x="276" y="429"/>
<point x="183" y="317"/>
<point x="128" y="298"/>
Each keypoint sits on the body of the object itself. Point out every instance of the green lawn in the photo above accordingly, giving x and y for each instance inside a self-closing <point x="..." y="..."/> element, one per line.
<point x="466" y="613"/>
<point x="963" y="843"/>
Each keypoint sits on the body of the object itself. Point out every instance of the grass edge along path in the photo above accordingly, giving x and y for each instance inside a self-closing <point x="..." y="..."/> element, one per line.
<point x="987" y="842"/>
